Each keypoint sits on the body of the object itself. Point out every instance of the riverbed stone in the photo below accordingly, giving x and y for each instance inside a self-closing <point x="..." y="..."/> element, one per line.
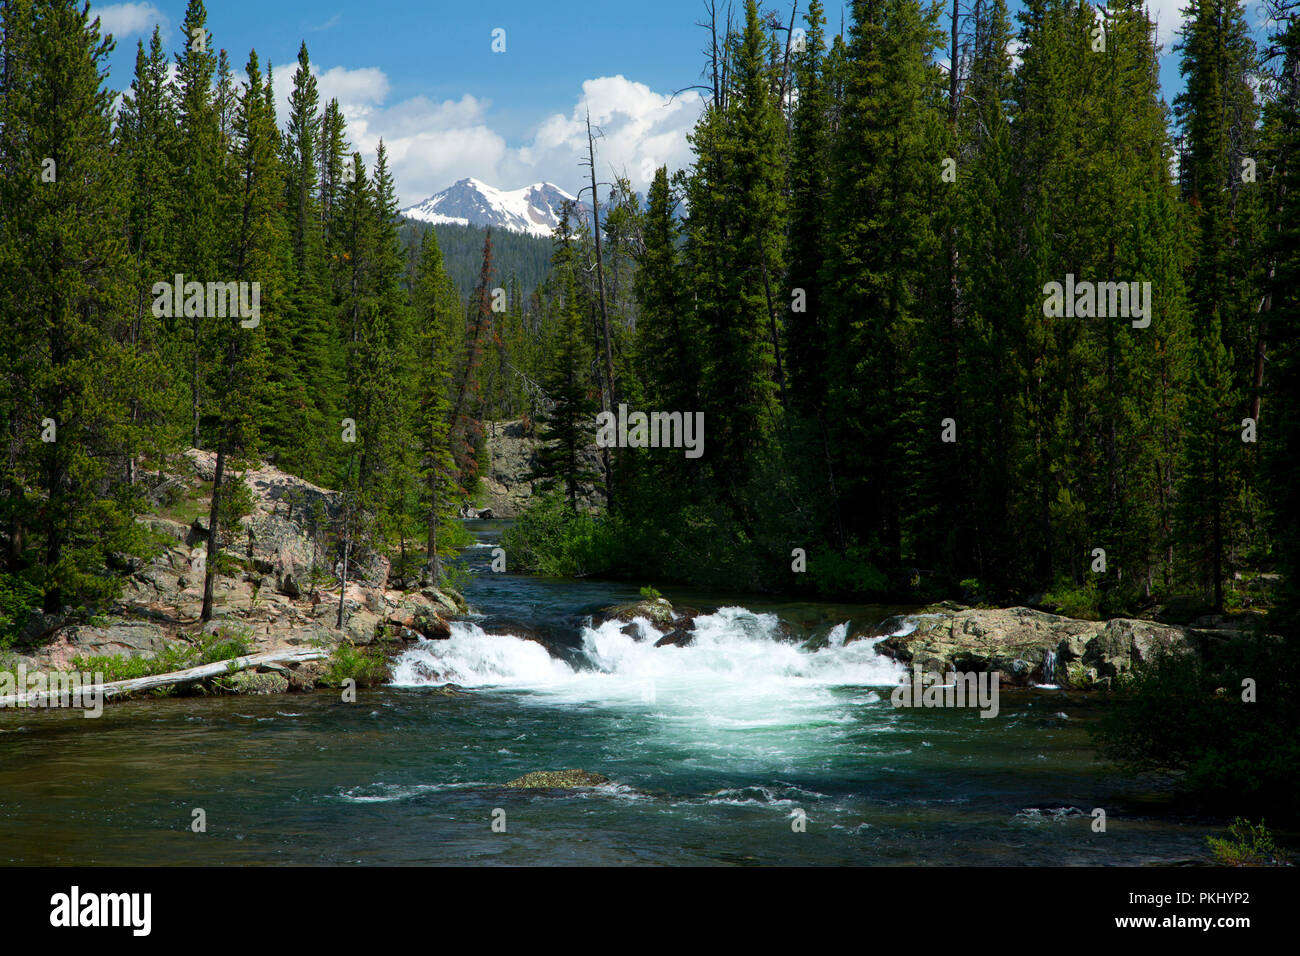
<point x="557" y="780"/>
<point x="252" y="683"/>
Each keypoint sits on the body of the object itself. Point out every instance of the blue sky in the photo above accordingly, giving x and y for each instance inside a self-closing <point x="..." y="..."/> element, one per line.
<point x="424" y="76"/>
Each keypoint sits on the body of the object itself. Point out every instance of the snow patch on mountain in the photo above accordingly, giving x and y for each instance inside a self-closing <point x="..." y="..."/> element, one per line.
<point x="532" y="209"/>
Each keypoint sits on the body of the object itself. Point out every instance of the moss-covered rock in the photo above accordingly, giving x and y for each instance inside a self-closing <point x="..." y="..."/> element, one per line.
<point x="557" y="780"/>
<point x="658" y="612"/>
<point x="248" y="682"/>
<point x="1027" y="645"/>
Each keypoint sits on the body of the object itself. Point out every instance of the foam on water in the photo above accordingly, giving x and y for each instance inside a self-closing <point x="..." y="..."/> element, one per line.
<point x="473" y="658"/>
<point x="732" y="648"/>
<point x="742" y="689"/>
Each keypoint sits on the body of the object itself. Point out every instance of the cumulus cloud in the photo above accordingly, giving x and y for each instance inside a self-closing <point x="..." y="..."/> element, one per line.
<point x="640" y="130"/>
<point x="1167" y="15"/>
<point x="125" y="19"/>
<point x="432" y="144"/>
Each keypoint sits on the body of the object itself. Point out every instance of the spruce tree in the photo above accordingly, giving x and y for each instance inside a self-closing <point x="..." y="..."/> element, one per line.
<point x="66" y="275"/>
<point x="880" y="241"/>
<point x="567" y="425"/>
<point x="197" y="174"/>
<point x="1217" y="114"/>
<point x="253" y="253"/>
<point x="805" y="341"/>
<point x="305" y="373"/>
<point x="1281" y="434"/>
<point x="436" y="308"/>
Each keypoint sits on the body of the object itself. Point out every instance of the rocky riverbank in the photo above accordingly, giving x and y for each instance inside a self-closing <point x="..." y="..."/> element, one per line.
<point x="281" y="592"/>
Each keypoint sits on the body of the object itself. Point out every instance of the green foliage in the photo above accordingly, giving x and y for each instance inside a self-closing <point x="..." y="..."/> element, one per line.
<point x="1282" y="463"/>
<point x="552" y="540"/>
<point x="1185" y="713"/>
<point x="209" y="649"/>
<point x="1093" y="600"/>
<point x="850" y="575"/>
<point x="367" y="666"/>
<point x="1246" y="844"/>
<point x="18" y="598"/>
<point x="567" y="426"/>
<point x="1083" y="602"/>
<point x="224" y="645"/>
<point x="462" y="250"/>
<point x="650" y="594"/>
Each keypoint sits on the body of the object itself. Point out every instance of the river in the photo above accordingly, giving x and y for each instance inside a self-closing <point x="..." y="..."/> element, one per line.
<point x="743" y="748"/>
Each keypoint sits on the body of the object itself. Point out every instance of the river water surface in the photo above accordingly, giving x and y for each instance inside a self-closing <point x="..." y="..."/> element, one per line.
<point x="743" y="748"/>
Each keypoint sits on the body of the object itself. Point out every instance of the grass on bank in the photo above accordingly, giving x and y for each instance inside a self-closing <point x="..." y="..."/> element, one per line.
<point x="210" y="649"/>
<point x="368" y="667"/>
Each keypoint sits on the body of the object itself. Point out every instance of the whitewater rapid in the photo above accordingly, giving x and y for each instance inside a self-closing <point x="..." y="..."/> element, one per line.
<point x="738" y="667"/>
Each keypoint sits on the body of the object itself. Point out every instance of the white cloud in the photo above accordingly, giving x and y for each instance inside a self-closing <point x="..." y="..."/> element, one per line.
<point x="1167" y="15"/>
<point x="640" y="131"/>
<point x="329" y="24"/>
<point x="432" y="144"/>
<point x="1014" y="49"/>
<point x="125" y="19"/>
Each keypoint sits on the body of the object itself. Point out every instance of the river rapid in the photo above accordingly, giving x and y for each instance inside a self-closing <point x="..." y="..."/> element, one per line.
<point x="745" y="747"/>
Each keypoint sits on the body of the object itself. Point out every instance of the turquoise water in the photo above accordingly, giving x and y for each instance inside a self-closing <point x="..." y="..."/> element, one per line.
<point x="743" y="748"/>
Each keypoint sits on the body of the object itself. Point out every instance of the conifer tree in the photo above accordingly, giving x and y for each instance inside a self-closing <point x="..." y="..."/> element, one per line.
<point x="879" y="242"/>
<point x="1282" y="433"/>
<point x="567" y="426"/>
<point x="197" y="174"/>
<point x="254" y="253"/>
<point x="1217" y="113"/>
<point x="805" y="347"/>
<point x="739" y="383"/>
<point x="65" y="272"/>
<point x="305" y="372"/>
<point x="436" y="308"/>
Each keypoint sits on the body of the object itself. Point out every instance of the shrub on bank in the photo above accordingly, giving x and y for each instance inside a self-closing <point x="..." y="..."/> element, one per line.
<point x="1246" y="845"/>
<point x="1223" y="722"/>
<point x="368" y="667"/>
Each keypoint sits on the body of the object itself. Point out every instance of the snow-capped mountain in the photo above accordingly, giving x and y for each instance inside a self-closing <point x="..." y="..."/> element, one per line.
<point x="534" y="209"/>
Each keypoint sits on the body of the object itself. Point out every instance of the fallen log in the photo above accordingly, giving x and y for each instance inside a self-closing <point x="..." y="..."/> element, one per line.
<point x="190" y="675"/>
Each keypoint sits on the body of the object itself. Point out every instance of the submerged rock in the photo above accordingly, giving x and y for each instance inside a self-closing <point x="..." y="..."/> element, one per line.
<point x="557" y="780"/>
<point x="678" y="637"/>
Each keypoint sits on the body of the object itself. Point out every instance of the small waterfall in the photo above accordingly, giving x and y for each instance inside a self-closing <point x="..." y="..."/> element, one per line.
<point x="1049" y="668"/>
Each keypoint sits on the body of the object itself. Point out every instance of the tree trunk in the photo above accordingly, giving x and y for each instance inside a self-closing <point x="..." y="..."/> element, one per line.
<point x="189" y="675"/>
<point x="771" y="315"/>
<point x="211" y="560"/>
<point x="604" y="313"/>
<point x="343" y="585"/>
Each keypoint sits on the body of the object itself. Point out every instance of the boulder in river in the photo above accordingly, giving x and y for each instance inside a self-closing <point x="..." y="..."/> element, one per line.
<point x="659" y="612"/>
<point x="1028" y="646"/>
<point x="557" y="780"/>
